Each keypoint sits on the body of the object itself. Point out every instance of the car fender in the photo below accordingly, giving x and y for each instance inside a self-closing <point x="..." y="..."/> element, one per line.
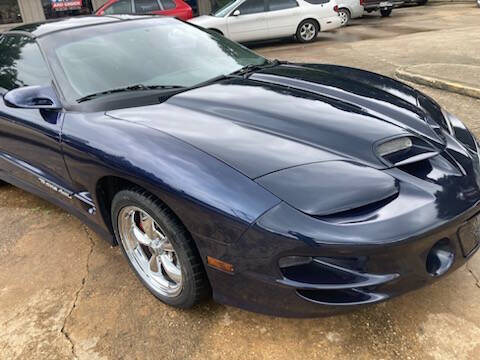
<point x="186" y="179"/>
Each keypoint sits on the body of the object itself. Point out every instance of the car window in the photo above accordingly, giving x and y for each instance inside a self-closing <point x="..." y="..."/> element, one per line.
<point x="226" y="8"/>
<point x="252" y="7"/>
<point x="168" y="4"/>
<point x="146" y="6"/>
<point x="21" y="63"/>
<point x="282" y="4"/>
<point x="316" y="2"/>
<point x="119" y="7"/>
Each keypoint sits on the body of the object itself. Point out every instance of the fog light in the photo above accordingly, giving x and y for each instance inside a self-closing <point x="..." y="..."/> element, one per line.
<point x="440" y="258"/>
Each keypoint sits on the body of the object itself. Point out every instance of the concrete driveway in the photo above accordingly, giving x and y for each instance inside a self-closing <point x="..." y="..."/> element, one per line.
<point x="65" y="293"/>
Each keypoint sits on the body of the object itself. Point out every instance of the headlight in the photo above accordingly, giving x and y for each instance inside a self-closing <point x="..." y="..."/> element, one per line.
<point x="405" y="150"/>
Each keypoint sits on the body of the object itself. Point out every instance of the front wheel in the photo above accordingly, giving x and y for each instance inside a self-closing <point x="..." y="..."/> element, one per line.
<point x="307" y="31"/>
<point x="385" y="13"/>
<point x="159" y="249"/>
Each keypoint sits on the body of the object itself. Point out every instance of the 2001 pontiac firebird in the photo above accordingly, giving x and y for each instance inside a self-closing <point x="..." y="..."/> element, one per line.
<point x="288" y="189"/>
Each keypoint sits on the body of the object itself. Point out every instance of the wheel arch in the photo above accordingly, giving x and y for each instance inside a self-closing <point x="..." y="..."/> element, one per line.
<point x="312" y="19"/>
<point x="106" y="189"/>
<point x="345" y="7"/>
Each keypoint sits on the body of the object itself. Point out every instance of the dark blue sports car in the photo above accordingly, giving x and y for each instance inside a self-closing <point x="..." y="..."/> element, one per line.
<point x="288" y="189"/>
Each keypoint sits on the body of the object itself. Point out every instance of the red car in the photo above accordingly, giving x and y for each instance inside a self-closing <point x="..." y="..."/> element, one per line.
<point x="175" y="8"/>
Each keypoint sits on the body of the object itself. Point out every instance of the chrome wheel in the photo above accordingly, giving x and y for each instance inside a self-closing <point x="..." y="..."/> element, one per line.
<point x="343" y="17"/>
<point x="308" y="31"/>
<point x="150" y="252"/>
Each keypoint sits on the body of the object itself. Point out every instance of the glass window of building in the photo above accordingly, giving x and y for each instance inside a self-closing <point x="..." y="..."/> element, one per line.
<point x="10" y="12"/>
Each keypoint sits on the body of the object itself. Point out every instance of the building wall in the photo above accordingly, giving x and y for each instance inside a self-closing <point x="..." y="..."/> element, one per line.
<point x="31" y="11"/>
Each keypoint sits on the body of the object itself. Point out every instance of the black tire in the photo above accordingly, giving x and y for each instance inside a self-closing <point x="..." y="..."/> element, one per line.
<point x="195" y="285"/>
<point x="311" y="24"/>
<point x="344" y="15"/>
<point x="385" y="13"/>
<point x="422" y="2"/>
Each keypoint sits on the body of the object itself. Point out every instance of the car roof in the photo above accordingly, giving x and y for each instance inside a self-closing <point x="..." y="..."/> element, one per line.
<point x="49" y="26"/>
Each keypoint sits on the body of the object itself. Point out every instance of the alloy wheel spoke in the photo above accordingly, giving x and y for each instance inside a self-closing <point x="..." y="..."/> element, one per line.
<point x="140" y="236"/>
<point x="172" y="271"/>
<point x="153" y="264"/>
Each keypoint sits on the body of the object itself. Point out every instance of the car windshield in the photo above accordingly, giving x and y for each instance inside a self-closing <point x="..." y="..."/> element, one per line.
<point x="152" y="52"/>
<point x="225" y="9"/>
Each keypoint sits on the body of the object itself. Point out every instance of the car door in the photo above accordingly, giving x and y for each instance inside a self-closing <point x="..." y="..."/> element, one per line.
<point x="282" y="17"/>
<point x="30" y="150"/>
<point x="248" y="21"/>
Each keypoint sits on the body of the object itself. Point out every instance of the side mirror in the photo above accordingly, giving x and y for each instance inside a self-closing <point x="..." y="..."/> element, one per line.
<point x="236" y="13"/>
<point x="33" y="97"/>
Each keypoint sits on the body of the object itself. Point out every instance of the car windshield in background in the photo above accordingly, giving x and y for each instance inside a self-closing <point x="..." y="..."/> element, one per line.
<point x="225" y="10"/>
<point x="153" y="52"/>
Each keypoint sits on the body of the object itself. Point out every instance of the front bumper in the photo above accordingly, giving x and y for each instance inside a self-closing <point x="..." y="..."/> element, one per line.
<point x="361" y="273"/>
<point x="330" y="23"/>
<point x="383" y="5"/>
<point x="361" y="256"/>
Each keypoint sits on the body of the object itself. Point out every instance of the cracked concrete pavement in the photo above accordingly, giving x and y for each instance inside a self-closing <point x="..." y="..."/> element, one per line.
<point x="66" y="294"/>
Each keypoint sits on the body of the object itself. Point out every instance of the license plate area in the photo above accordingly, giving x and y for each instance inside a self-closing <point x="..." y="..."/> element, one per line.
<point x="469" y="235"/>
<point x="385" y="4"/>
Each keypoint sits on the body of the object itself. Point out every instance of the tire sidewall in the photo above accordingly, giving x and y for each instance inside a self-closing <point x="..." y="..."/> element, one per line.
<point x="131" y="198"/>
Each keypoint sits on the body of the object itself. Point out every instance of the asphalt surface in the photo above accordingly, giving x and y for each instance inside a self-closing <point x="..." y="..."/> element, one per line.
<point x="65" y="293"/>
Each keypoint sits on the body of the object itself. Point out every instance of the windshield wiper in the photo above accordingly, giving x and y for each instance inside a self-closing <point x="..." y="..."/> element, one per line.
<point x="251" y="68"/>
<point x="138" y="87"/>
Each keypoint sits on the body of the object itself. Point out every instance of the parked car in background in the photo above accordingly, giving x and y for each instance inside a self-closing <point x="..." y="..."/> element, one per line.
<point x="250" y="20"/>
<point x="349" y="9"/>
<point x="385" y="7"/>
<point x="175" y="8"/>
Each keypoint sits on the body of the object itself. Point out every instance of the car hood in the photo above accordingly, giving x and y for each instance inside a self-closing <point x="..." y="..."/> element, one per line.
<point x="204" y="20"/>
<point x="290" y="115"/>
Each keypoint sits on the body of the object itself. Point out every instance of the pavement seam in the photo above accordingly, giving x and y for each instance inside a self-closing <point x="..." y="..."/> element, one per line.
<point x="63" y="330"/>
<point x="477" y="280"/>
